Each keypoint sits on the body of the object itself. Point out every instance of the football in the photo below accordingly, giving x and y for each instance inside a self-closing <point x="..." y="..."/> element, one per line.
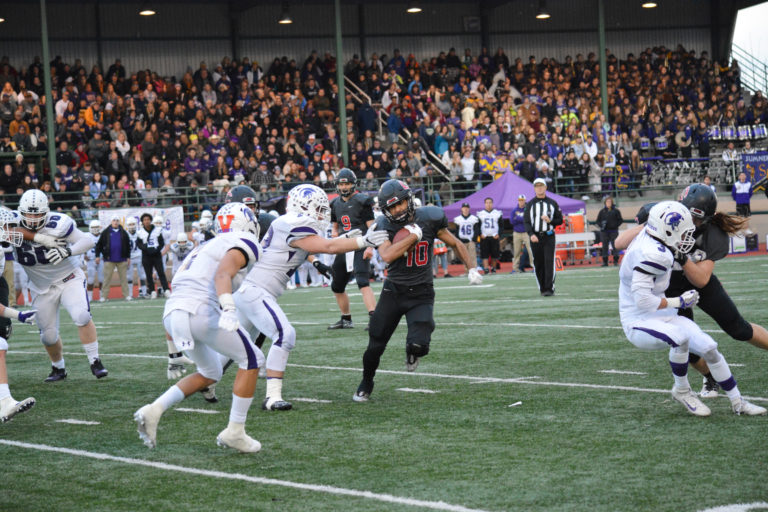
<point x="403" y="233"/>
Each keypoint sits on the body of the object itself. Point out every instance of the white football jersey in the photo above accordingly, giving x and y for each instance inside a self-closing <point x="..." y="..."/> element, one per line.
<point x="643" y="279"/>
<point x="31" y="255"/>
<point x="466" y="226"/>
<point x="279" y="260"/>
<point x="179" y="253"/>
<point x="90" y="255"/>
<point x="152" y="239"/>
<point x="135" y="251"/>
<point x="489" y="222"/>
<point x="193" y="284"/>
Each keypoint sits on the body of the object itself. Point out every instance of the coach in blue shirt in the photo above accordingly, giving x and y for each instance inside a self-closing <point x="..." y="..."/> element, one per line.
<point x="520" y="237"/>
<point x="114" y="247"/>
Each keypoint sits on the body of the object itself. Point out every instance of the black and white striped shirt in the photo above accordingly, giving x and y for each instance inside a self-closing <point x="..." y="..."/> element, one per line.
<point x="536" y="207"/>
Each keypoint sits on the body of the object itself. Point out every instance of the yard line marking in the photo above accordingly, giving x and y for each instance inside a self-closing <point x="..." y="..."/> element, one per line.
<point x="624" y="372"/>
<point x="738" y="507"/>
<point x="312" y="400"/>
<point x="327" y="489"/>
<point x="78" y="422"/>
<point x="414" y="390"/>
<point x="515" y="404"/>
<point x="201" y="411"/>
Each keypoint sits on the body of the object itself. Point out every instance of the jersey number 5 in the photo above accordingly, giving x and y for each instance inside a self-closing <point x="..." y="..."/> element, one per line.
<point x="421" y="252"/>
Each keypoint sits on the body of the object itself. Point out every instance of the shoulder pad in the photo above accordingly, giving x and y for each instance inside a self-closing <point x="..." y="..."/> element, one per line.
<point x="249" y="244"/>
<point x="656" y="258"/>
<point x="59" y="225"/>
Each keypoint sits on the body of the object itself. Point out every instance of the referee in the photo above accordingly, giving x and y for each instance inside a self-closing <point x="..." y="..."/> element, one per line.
<point x="542" y="214"/>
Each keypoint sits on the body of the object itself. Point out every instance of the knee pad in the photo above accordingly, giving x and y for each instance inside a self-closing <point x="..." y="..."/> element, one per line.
<point x="416" y="349"/>
<point x="711" y="356"/>
<point x="288" y="338"/>
<point x="49" y="336"/>
<point x="3" y="344"/>
<point x="82" y="318"/>
<point x="337" y="286"/>
<point x="740" y="329"/>
<point x="362" y="280"/>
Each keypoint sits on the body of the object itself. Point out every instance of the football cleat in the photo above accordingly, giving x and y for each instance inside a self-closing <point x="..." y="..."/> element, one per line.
<point x="209" y="394"/>
<point x="741" y="406"/>
<point x="691" y="402"/>
<point x="270" y="404"/>
<point x="56" y="374"/>
<point x="167" y="294"/>
<point x="237" y="440"/>
<point x="411" y="362"/>
<point x="153" y="295"/>
<point x="709" y="389"/>
<point x="363" y="393"/>
<point x="342" y="324"/>
<point x="147" y="419"/>
<point x="98" y="370"/>
<point x="10" y="407"/>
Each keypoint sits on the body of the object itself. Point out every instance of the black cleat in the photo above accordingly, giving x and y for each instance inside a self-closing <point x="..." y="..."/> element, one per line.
<point x="98" y="370"/>
<point x="363" y="393"/>
<point x="209" y="394"/>
<point x="276" y="405"/>
<point x="342" y="324"/>
<point x="56" y="374"/>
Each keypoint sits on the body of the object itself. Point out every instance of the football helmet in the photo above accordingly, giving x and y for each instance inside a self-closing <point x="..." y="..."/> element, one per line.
<point x="346" y="176"/>
<point x="196" y="226"/>
<point x="700" y="200"/>
<point x="182" y="239"/>
<point x="33" y="207"/>
<point x="158" y="221"/>
<point x="234" y="217"/>
<point x="309" y="200"/>
<point x="243" y="194"/>
<point x="671" y="223"/>
<point x="393" y="192"/>
<point x="206" y="214"/>
<point x="9" y="219"/>
<point x="131" y="225"/>
<point x="205" y="224"/>
<point x="95" y="227"/>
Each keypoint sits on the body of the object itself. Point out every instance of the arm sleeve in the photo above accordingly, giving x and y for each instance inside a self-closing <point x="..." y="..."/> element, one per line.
<point x="79" y="242"/>
<point x="642" y="290"/>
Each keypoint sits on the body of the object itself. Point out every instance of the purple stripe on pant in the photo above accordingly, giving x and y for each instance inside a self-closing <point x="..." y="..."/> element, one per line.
<point x="656" y="334"/>
<point x="279" y="340"/>
<point x="253" y="362"/>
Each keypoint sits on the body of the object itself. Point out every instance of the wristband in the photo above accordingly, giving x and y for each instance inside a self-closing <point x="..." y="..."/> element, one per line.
<point x="10" y="313"/>
<point x="227" y="302"/>
<point x="360" y="242"/>
<point x="674" y="302"/>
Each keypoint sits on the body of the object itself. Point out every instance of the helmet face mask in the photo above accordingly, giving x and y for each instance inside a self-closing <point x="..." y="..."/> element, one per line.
<point x="671" y="223"/>
<point x="9" y="220"/>
<point x="131" y="226"/>
<point x="95" y="227"/>
<point x="182" y="239"/>
<point x="33" y="207"/>
<point x="346" y="181"/>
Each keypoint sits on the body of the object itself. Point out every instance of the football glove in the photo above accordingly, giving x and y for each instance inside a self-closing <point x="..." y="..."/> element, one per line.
<point x="324" y="269"/>
<point x="681" y="258"/>
<point x="474" y="276"/>
<point x="56" y="255"/>
<point x="685" y="301"/>
<point x="351" y="234"/>
<point x="27" y="317"/>
<point x="46" y="240"/>
<point x="228" y="319"/>
<point x="373" y="238"/>
<point x="415" y="229"/>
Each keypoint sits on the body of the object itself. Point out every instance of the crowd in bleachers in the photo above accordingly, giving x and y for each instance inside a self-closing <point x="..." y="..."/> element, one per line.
<point x="131" y="139"/>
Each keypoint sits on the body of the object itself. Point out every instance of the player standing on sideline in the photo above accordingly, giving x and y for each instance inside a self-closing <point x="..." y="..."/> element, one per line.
<point x="152" y="246"/>
<point x="520" y="238"/>
<point x="650" y="320"/>
<point x="291" y="238"/>
<point x="93" y="265"/>
<point x="206" y="233"/>
<point x="542" y="214"/>
<point x="201" y="317"/>
<point x="57" y="280"/>
<point x="468" y="230"/>
<point x="180" y="249"/>
<point x="408" y="289"/>
<point x="351" y="211"/>
<point x="131" y="226"/>
<point x="489" y="234"/>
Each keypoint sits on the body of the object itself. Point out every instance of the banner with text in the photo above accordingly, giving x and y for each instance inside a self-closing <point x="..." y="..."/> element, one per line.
<point x="755" y="166"/>
<point x="173" y="218"/>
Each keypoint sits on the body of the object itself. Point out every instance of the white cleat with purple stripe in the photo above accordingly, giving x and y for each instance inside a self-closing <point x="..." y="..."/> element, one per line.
<point x="691" y="402"/>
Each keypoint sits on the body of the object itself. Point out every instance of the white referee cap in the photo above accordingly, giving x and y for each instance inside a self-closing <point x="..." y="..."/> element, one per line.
<point x="539" y="181"/>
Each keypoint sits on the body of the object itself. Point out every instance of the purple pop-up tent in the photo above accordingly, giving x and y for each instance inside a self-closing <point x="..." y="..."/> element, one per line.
<point x="504" y="192"/>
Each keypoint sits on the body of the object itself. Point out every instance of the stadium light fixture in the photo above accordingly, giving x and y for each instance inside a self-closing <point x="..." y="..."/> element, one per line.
<point x="413" y="7"/>
<point x="649" y="5"/>
<point x="542" y="13"/>
<point x="285" y="16"/>
<point x="2" y="20"/>
<point x="146" y="10"/>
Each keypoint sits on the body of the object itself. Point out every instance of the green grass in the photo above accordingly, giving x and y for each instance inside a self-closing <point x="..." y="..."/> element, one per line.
<point x="566" y="447"/>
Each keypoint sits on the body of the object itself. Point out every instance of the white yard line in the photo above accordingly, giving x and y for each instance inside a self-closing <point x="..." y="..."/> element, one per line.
<point x="201" y="411"/>
<point x="623" y="372"/>
<point x="325" y="489"/>
<point x="78" y="422"/>
<point x="413" y="390"/>
<point x="311" y="400"/>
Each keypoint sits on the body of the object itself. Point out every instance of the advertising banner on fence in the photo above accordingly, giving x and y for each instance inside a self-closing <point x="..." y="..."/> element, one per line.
<point x="755" y="166"/>
<point x="173" y="218"/>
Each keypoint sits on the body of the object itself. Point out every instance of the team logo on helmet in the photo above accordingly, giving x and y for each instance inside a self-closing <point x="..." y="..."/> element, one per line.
<point x="684" y="193"/>
<point x="673" y="219"/>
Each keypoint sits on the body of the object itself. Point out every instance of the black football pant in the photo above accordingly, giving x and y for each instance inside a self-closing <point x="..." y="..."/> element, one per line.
<point x="609" y="238"/>
<point x="544" y="261"/>
<point x="361" y="270"/>
<point x="417" y="304"/>
<point x="154" y="262"/>
<point x="5" y="323"/>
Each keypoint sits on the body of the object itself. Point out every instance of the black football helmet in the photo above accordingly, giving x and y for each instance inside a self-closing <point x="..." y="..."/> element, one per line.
<point x="346" y="176"/>
<point x="642" y="214"/>
<point x="700" y="200"/>
<point x="390" y="194"/>
<point x="243" y="194"/>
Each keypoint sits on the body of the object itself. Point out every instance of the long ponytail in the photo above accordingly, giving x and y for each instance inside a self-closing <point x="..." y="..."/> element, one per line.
<point x="728" y="223"/>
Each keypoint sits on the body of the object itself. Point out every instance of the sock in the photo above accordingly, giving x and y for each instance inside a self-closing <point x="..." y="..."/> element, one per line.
<point x="58" y="364"/>
<point x="274" y="388"/>
<point x="5" y="392"/>
<point x="171" y="397"/>
<point x="722" y="374"/>
<point x="679" y="363"/>
<point x="92" y="351"/>
<point x="90" y="295"/>
<point x="346" y="317"/>
<point x="239" y="410"/>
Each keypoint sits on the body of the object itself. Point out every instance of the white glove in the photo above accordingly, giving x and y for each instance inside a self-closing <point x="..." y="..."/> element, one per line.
<point x="57" y="254"/>
<point x="46" y="240"/>
<point x="372" y="238"/>
<point x="228" y="319"/>
<point x="352" y="234"/>
<point x="176" y="368"/>
<point x="474" y="276"/>
<point x="685" y="301"/>
<point x="415" y="229"/>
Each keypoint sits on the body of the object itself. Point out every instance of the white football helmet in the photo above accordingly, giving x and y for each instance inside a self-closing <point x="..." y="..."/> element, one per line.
<point x="196" y="226"/>
<point x="131" y="225"/>
<point x="95" y="227"/>
<point x="207" y="214"/>
<point x="671" y="223"/>
<point x="158" y="221"/>
<point x="33" y="207"/>
<point x="205" y="224"/>
<point x="182" y="239"/>
<point x="309" y="200"/>
<point x="9" y="219"/>
<point x="236" y="217"/>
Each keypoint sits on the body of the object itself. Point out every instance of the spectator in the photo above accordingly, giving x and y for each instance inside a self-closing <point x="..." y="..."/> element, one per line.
<point x="609" y="221"/>
<point x="114" y="247"/>
<point x="742" y="194"/>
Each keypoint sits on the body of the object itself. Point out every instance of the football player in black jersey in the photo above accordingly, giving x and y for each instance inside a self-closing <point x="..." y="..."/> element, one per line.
<point x="696" y="271"/>
<point x="408" y="289"/>
<point x="246" y="195"/>
<point x="350" y="211"/>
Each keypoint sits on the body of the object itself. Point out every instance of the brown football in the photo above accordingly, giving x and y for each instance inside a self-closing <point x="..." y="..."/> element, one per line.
<point x="403" y="233"/>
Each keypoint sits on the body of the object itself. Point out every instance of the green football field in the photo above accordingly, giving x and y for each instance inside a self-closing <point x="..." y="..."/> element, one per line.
<point x="525" y="403"/>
